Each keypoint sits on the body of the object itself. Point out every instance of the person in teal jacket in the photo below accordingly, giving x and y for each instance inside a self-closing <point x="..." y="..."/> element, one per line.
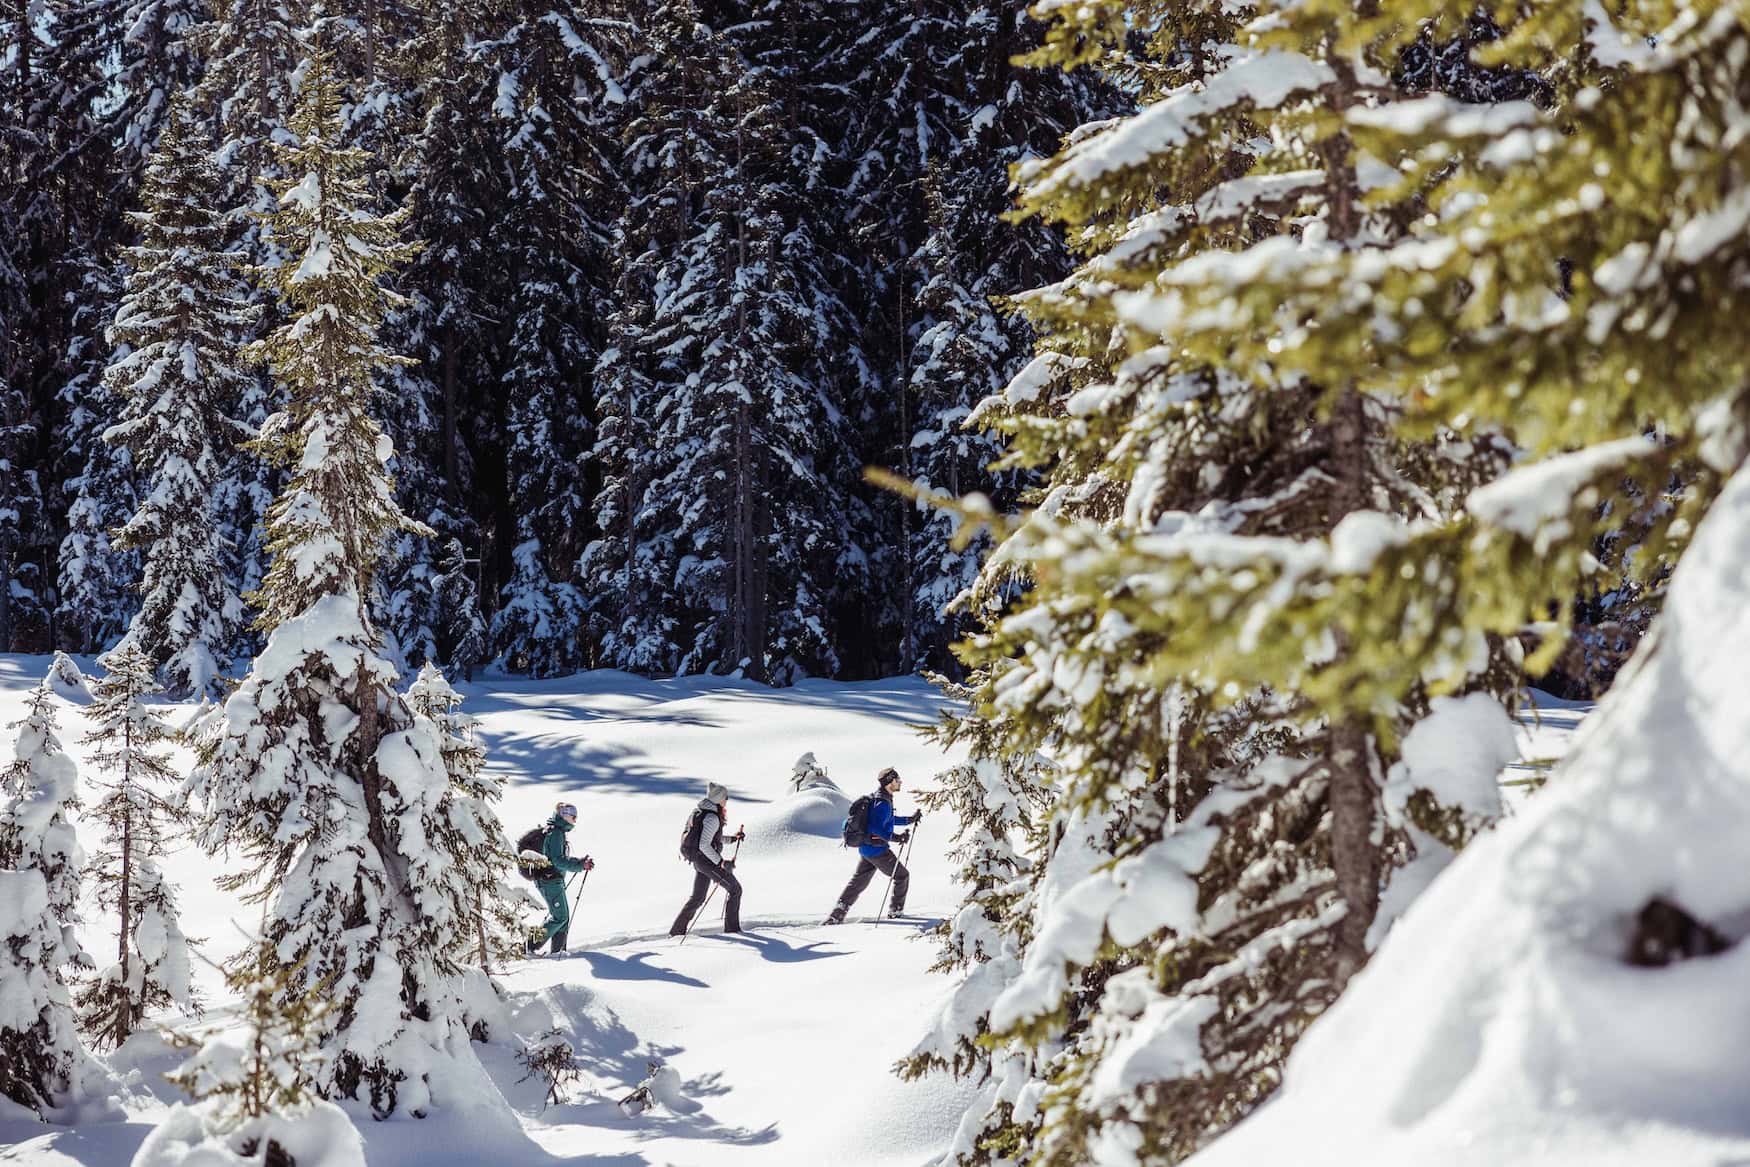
<point x="552" y="884"/>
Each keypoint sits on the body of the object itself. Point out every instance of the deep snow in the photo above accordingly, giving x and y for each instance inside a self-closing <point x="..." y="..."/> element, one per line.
<point x="778" y="1044"/>
<point x="1500" y="1022"/>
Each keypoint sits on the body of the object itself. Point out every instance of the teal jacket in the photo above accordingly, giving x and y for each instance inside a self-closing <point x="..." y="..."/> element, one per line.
<point x="554" y="848"/>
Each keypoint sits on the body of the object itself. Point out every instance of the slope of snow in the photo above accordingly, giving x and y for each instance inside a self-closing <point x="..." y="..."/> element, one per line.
<point x="1500" y="1022"/>
<point x="781" y="1042"/>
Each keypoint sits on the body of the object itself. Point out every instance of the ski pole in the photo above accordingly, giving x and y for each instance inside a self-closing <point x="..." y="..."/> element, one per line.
<point x="578" y="899"/>
<point x="724" y="915"/>
<point x="882" y="910"/>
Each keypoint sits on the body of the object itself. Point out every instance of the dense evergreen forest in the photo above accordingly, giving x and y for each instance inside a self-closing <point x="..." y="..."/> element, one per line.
<point x="685" y="269"/>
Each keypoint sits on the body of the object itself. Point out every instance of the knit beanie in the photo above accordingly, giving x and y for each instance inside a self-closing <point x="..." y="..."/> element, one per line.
<point x="716" y="793"/>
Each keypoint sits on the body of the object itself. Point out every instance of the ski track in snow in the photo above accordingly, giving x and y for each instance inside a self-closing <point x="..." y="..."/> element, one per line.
<point x="783" y="1037"/>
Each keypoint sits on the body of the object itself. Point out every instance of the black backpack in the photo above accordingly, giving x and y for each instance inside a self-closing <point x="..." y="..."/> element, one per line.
<point x="690" y="834"/>
<point x="856" y="826"/>
<point x="534" y="839"/>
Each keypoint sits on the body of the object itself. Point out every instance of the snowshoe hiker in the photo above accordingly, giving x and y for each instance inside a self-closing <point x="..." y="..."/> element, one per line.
<point x="550" y="878"/>
<point x="878" y="831"/>
<point x="702" y="846"/>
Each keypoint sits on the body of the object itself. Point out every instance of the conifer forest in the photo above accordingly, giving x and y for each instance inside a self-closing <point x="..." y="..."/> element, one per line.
<point x="1214" y="454"/>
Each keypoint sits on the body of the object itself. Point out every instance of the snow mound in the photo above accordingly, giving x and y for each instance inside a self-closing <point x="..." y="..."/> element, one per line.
<point x="67" y="682"/>
<point x="323" y="1137"/>
<point x="1501" y="1022"/>
<point x="814" y="812"/>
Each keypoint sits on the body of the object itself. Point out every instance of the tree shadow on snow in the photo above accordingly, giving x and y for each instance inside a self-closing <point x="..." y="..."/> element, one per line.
<point x="556" y="759"/>
<point x="97" y="1144"/>
<point x="614" y="1056"/>
<point x="575" y="707"/>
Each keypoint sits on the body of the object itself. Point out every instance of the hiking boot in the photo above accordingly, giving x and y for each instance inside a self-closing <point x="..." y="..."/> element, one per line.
<point x="533" y="941"/>
<point x="837" y="915"/>
<point x="896" y="913"/>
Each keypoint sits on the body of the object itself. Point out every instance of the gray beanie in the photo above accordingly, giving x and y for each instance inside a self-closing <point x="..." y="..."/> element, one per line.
<point x="715" y="792"/>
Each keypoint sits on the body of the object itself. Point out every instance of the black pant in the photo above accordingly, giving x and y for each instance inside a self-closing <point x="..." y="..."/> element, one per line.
<point x="707" y="874"/>
<point x="888" y="864"/>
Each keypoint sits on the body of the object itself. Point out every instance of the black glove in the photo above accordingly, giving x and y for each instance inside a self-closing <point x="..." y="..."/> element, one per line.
<point x="916" y="818"/>
<point x="729" y="865"/>
<point x="902" y="837"/>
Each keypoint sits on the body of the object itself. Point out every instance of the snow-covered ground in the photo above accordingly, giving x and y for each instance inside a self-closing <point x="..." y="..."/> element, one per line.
<point x="781" y="1040"/>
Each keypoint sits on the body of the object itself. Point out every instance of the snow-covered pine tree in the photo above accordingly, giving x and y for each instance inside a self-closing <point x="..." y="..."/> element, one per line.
<point x="751" y="463"/>
<point x="1555" y="290"/>
<point x="473" y="834"/>
<point x="315" y="767"/>
<point x="1210" y="870"/>
<point x="555" y="114"/>
<point x="131" y="758"/>
<point x="461" y="631"/>
<point x="946" y="111"/>
<point x="255" y="1088"/>
<point x="41" y="785"/>
<point x="41" y="1057"/>
<point x="250" y="50"/>
<point x="96" y="581"/>
<point x="179" y="328"/>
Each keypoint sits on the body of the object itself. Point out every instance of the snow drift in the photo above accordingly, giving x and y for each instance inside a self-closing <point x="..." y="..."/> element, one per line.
<point x="1501" y="1022"/>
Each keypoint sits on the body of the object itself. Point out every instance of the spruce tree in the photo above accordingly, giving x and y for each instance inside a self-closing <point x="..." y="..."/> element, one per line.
<point x="130" y="754"/>
<point x="461" y="632"/>
<point x="1229" y="803"/>
<point x="180" y="323"/>
<point x="315" y="767"/>
<point x="41" y="1058"/>
<point x="474" y="836"/>
<point x="554" y="127"/>
<point x="749" y="468"/>
<point x="41" y="785"/>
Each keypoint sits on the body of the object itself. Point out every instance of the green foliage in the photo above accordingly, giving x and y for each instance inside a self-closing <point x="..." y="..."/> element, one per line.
<point x="267" y="1066"/>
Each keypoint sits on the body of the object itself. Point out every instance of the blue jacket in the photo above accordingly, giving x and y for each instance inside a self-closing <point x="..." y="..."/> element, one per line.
<point x="882" y="821"/>
<point x="555" y="849"/>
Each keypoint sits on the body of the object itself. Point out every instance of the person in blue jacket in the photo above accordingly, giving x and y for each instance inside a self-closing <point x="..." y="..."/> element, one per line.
<point x="551" y="885"/>
<point x="875" y="854"/>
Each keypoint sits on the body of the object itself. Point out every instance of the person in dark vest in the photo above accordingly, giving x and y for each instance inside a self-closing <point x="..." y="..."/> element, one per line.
<point x="875" y="854"/>
<point x="702" y="846"/>
<point x="551" y="885"/>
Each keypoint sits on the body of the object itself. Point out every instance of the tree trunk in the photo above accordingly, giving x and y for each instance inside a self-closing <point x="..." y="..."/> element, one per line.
<point x="1356" y="834"/>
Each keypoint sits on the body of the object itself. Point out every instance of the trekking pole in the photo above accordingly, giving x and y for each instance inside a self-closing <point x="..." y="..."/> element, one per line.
<point x="724" y="914"/>
<point x="578" y="899"/>
<point x="882" y="910"/>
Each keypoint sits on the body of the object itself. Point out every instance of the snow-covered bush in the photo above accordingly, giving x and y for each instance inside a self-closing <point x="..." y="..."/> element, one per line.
<point x="550" y="1058"/>
<point x="253" y="1084"/>
<point x="808" y="773"/>
<point x="67" y="681"/>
